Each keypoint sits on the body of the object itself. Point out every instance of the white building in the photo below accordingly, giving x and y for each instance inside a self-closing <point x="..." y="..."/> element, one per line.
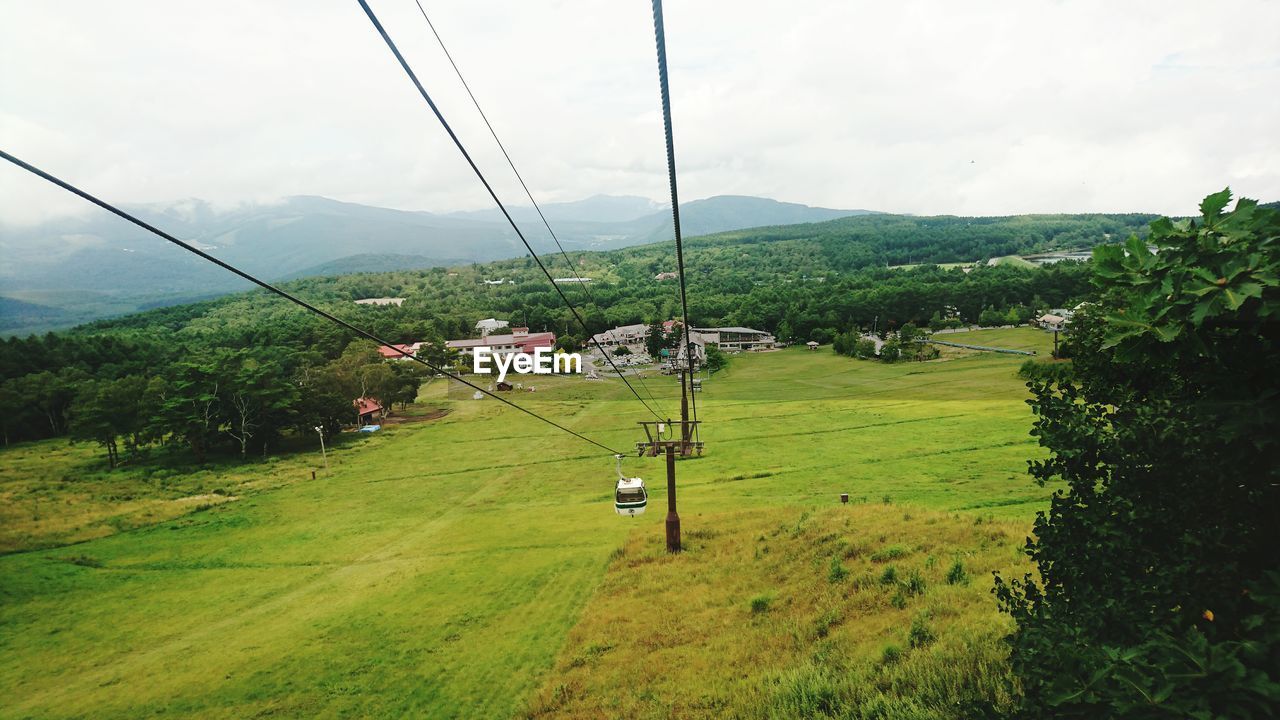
<point x="738" y="338"/>
<point x="488" y="325"/>
<point x="520" y="340"/>
<point x="381" y="301"/>
<point x="625" y="335"/>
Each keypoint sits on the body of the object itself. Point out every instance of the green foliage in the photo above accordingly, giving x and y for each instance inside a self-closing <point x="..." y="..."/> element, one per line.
<point x="991" y="317"/>
<point x="957" y="575"/>
<point x="920" y="634"/>
<point x="890" y="655"/>
<point x="889" y="576"/>
<point x="1045" y="371"/>
<point x="1156" y="592"/>
<point x="837" y="572"/>
<point x="760" y="604"/>
<point x="914" y="584"/>
<point x="655" y="341"/>
<point x="892" y="552"/>
<point x="716" y="359"/>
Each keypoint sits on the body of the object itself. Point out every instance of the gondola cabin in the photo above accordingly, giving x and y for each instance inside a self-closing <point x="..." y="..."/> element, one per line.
<point x="630" y="497"/>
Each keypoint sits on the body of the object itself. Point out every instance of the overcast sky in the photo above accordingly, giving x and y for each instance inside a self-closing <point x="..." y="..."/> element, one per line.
<point x="922" y="107"/>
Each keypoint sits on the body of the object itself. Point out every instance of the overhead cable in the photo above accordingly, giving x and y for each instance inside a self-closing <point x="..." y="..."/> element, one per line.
<point x="568" y="263"/>
<point x="467" y="156"/>
<point x="660" y="40"/>
<point x="273" y="289"/>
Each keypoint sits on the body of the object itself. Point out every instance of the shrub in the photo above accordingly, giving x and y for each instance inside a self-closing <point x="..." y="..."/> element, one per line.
<point x="828" y="619"/>
<point x="920" y="634"/>
<point x="890" y="553"/>
<point x="889" y="576"/>
<point x="760" y="604"/>
<point x="837" y="572"/>
<point x="915" y="584"/>
<point x="1048" y="372"/>
<point x="1156" y="591"/>
<point x="957" y="575"/>
<point x="890" y="655"/>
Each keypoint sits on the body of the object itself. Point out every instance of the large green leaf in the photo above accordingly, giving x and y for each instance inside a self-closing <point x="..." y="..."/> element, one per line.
<point x="1212" y="206"/>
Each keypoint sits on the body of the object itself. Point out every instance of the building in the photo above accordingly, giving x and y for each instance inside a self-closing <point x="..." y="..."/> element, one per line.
<point x="381" y="301"/>
<point x="698" y="341"/>
<point x="1049" y="321"/>
<point x="738" y="338"/>
<point x="520" y="340"/>
<point x="665" y="276"/>
<point x="488" y="325"/>
<point x="625" y="335"/>
<point x="400" y="350"/>
<point x="571" y="280"/>
<point x="812" y="345"/>
<point x="367" y="410"/>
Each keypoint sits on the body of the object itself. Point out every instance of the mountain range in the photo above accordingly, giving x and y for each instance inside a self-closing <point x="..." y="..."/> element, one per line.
<point x="78" y="269"/>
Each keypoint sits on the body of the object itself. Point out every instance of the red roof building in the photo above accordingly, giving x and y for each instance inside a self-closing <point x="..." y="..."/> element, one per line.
<point x="388" y="353"/>
<point x="366" y="409"/>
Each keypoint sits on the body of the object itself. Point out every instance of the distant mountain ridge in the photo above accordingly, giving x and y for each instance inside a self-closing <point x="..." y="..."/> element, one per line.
<point x="125" y="267"/>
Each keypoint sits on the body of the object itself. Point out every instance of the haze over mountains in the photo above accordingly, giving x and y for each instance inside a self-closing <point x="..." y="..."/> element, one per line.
<point x="78" y="269"/>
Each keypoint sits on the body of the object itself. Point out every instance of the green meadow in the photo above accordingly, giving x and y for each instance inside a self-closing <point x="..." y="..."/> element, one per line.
<point x="472" y="566"/>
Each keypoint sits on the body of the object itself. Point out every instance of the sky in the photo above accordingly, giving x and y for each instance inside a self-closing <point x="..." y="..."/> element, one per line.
<point x="976" y="108"/>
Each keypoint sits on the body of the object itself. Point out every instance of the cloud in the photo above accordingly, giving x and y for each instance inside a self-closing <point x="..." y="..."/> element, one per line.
<point x="923" y="107"/>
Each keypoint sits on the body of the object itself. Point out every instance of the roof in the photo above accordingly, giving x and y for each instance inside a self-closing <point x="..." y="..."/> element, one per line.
<point x="812" y="343"/>
<point x="532" y="340"/>
<point x="630" y="483"/>
<point x="365" y="405"/>
<point x="1052" y="319"/>
<point x="387" y="352"/>
<point x="741" y="330"/>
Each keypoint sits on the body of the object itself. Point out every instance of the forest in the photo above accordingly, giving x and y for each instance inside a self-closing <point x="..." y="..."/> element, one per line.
<point x="235" y="375"/>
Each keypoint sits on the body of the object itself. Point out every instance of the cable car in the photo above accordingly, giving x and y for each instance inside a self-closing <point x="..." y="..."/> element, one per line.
<point x="629" y="496"/>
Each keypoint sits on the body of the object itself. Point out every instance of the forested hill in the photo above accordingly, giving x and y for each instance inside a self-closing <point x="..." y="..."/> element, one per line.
<point x="96" y="266"/>
<point x="800" y="282"/>
<point x="725" y="270"/>
<point x="731" y="275"/>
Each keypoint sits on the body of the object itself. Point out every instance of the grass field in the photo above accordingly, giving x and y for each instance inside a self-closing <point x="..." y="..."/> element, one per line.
<point x="471" y="566"/>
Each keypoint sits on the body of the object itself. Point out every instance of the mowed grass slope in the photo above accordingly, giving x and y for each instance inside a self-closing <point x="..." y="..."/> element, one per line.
<point x="438" y="568"/>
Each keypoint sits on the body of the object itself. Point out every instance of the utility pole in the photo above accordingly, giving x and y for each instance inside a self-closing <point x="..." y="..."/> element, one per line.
<point x="673" y="518"/>
<point x="1055" y="343"/>
<point x="323" y="454"/>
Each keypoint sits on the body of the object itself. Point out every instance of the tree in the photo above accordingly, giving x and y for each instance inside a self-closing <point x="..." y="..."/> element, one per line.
<point x="91" y="418"/>
<point x="655" y="342"/>
<point x="192" y="409"/>
<point x="257" y="399"/>
<point x="1157" y="591"/>
<point x="891" y="350"/>
<point x="716" y="359"/>
<point x="408" y="379"/>
<point x="991" y="317"/>
<point x="12" y="408"/>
